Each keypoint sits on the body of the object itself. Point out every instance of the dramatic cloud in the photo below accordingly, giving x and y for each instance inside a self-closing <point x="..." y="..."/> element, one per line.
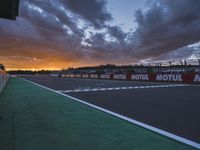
<point x="66" y="33"/>
<point x="92" y="10"/>
<point x="51" y="29"/>
<point x="165" y="27"/>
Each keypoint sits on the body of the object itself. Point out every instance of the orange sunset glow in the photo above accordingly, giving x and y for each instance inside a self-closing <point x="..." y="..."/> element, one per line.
<point x="35" y="64"/>
<point x="55" y="35"/>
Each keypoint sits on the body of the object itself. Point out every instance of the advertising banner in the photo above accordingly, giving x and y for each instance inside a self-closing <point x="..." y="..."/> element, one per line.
<point x="141" y="77"/>
<point x="94" y="76"/>
<point x="105" y="76"/>
<point x="85" y="76"/>
<point x="196" y="78"/>
<point x="160" y="77"/>
<point x="72" y="76"/>
<point x="120" y="76"/>
<point x="78" y="75"/>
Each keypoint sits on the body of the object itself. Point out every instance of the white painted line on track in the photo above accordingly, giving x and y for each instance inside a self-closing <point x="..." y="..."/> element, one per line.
<point x="122" y="88"/>
<point x="146" y="126"/>
<point x="94" y="89"/>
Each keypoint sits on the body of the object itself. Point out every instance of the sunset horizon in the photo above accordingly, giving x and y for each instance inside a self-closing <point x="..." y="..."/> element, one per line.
<point x="58" y="34"/>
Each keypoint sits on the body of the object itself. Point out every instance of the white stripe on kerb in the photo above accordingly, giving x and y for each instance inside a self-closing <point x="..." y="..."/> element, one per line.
<point x="162" y="132"/>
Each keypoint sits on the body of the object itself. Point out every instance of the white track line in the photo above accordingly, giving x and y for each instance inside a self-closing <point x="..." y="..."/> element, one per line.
<point x="123" y="88"/>
<point x="151" y="128"/>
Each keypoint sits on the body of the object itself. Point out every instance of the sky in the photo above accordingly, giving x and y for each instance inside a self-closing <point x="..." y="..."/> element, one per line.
<point x="58" y="34"/>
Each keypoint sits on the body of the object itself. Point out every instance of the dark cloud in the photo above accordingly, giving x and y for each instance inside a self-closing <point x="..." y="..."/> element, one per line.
<point x="78" y="31"/>
<point x="92" y="10"/>
<point x="117" y="33"/>
<point x="166" y="26"/>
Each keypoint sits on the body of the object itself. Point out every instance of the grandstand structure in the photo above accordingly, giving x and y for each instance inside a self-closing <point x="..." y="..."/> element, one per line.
<point x="181" y="66"/>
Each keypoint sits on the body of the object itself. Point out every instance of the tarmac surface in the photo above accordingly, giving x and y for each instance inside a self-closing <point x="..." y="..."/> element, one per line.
<point x="36" y="118"/>
<point x="174" y="109"/>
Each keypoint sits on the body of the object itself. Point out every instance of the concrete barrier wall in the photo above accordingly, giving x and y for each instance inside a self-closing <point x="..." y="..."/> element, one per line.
<point x="3" y="79"/>
<point x="159" y="77"/>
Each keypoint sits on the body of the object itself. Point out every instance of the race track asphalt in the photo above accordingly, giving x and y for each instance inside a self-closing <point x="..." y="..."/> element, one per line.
<point x="173" y="109"/>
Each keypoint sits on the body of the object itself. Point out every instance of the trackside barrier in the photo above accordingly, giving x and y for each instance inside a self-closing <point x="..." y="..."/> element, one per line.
<point x="159" y="77"/>
<point x="94" y="76"/>
<point x="3" y="79"/>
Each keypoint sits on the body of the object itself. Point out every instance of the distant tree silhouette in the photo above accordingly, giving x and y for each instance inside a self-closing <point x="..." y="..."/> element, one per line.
<point x="2" y="67"/>
<point x="30" y="72"/>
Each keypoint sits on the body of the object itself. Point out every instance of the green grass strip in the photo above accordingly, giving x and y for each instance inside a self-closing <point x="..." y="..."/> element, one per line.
<point x="33" y="118"/>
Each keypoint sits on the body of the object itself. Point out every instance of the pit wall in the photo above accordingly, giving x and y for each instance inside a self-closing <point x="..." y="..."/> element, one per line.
<point x="160" y="77"/>
<point x="3" y="79"/>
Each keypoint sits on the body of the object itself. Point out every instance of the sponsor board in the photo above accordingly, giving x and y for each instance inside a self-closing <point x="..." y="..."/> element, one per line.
<point x="185" y="77"/>
<point x="54" y="75"/>
<point x="119" y="76"/>
<point x="169" y="77"/>
<point x="140" y="77"/>
<point x="72" y="76"/>
<point x="78" y="75"/>
<point x="62" y="75"/>
<point x="105" y="76"/>
<point x="197" y="78"/>
<point x="85" y="76"/>
<point x="66" y="75"/>
<point x="94" y="76"/>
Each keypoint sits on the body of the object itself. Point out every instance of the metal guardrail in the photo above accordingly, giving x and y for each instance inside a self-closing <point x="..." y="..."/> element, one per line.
<point x="3" y="79"/>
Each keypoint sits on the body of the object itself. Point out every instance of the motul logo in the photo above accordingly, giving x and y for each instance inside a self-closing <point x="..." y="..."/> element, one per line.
<point x="197" y="78"/>
<point x="105" y="76"/>
<point x="140" y="77"/>
<point x="71" y="75"/>
<point x="120" y="76"/>
<point x="169" y="77"/>
<point x="93" y="76"/>
<point x="78" y="76"/>
<point x="85" y="76"/>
